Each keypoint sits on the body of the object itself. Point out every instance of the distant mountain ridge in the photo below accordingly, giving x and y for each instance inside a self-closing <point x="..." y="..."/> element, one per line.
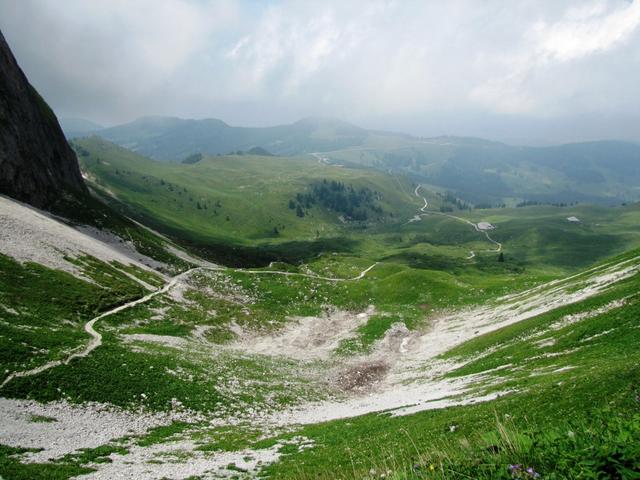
<point x="171" y="138"/>
<point x="78" y="127"/>
<point x="37" y="165"/>
<point x="478" y="170"/>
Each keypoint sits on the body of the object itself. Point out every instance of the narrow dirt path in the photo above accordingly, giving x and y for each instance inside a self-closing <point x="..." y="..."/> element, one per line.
<point x="426" y="212"/>
<point x="360" y="276"/>
<point x="96" y="337"/>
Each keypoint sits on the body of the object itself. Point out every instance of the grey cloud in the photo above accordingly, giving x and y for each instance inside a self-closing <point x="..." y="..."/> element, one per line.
<point x="497" y="69"/>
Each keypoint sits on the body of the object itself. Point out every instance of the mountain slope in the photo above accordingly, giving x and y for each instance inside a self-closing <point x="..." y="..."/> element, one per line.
<point x="242" y="200"/>
<point x="480" y="171"/>
<point x="167" y="138"/>
<point x="36" y="163"/>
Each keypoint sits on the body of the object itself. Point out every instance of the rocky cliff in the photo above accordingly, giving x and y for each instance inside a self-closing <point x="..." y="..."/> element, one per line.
<point x="37" y="165"/>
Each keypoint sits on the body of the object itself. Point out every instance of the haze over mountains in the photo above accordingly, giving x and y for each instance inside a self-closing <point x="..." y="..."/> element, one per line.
<point x="481" y="171"/>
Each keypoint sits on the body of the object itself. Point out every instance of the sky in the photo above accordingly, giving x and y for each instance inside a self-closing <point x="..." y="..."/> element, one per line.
<point x="536" y="72"/>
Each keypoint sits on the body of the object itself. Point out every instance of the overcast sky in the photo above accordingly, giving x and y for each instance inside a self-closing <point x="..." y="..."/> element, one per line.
<point x="525" y="71"/>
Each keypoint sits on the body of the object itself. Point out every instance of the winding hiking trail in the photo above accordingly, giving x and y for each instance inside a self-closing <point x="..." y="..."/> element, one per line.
<point x="360" y="276"/>
<point x="476" y="226"/>
<point x="96" y="337"/>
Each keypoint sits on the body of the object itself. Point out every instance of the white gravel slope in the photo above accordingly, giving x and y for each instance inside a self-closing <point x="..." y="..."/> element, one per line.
<point x="71" y="427"/>
<point x="31" y="235"/>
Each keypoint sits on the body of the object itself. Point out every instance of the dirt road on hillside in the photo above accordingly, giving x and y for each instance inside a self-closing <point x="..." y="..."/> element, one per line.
<point x="476" y="226"/>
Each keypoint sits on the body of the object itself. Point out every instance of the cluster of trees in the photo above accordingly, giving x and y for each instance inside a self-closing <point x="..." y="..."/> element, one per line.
<point x="485" y="205"/>
<point x="528" y="203"/>
<point x="453" y="201"/>
<point x="200" y="204"/>
<point x="193" y="158"/>
<point x="354" y="204"/>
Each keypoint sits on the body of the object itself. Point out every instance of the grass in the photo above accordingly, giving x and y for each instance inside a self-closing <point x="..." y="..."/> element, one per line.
<point x="38" y="328"/>
<point x="580" y="378"/>
<point x="253" y="193"/>
<point x="12" y="468"/>
<point x="583" y="427"/>
<point x="581" y="422"/>
<point x="239" y="198"/>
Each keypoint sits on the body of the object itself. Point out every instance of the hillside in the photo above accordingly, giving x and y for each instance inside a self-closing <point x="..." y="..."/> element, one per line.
<point x="36" y="164"/>
<point x="282" y="372"/>
<point x="78" y="127"/>
<point x="243" y="210"/>
<point x="480" y="360"/>
<point x="167" y="138"/>
<point x="240" y="200"/>
<point x="493" y="173"/>
<point x="480" y="171"/>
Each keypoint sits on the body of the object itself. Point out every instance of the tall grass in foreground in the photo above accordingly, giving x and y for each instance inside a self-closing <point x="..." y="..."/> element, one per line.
<point x="607" y="447"/>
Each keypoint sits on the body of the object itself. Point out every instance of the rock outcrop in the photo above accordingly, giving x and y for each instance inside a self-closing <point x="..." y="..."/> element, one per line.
<point x="37" y="166"/>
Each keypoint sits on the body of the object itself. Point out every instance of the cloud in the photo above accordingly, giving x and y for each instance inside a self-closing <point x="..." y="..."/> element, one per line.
<point x="112" y="54"/>
<point x="274" y="61"/>
<point x="537" y="78"/>
<point x="587" y="30"/>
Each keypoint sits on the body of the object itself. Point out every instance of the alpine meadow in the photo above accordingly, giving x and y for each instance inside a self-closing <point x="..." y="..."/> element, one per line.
<point x="294" y="240"/>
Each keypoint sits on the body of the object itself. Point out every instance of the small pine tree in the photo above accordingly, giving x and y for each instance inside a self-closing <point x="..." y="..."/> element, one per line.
<point x="501" y="257"/>
<point x="299" y="211"/>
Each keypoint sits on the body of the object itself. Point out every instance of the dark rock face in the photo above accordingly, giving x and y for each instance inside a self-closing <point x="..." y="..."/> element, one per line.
<point x="37" y="166"/>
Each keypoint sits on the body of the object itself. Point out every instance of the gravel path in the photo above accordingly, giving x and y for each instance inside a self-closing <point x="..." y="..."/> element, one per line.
<point x="481" y="227"/>
<point x="96" y="337"/>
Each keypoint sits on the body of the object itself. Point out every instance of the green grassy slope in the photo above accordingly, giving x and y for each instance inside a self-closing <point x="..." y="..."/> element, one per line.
<point x="235" y="209"/>
<point x="570" y="377"/>
<point x="240" y="199"/>
<point x="490" y="172"/>
<point x="480" y="171"/>
<point x="37" y="327"/>
<point x="572" y="412"/>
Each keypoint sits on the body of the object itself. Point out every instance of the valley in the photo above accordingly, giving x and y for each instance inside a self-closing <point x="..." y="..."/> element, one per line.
<point x="233" y="366"/>
<point x="185" y="299"/>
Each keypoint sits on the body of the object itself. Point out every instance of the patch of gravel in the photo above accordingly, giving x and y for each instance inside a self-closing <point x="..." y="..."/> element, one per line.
<point x="485" y="226"/>
<point x="31" y="235"/>
<point x="578" y="317"/>
<point x="165" y="340"/>
<point x="181" y="459"/>
<point x="414" y="381"/>
<point x="305" y="338"/>
<point x="77" y="426"/>
<point x="362" y="376"/>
